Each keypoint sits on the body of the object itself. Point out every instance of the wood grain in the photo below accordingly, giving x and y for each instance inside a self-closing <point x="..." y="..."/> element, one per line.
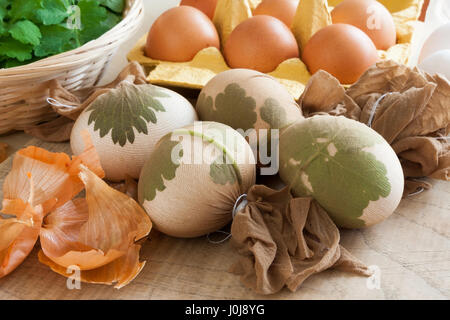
<point x="411" y="250"/>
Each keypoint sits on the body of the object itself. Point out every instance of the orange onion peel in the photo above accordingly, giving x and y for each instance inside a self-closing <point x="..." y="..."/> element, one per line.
<point x="55" y="175"/>
<point x="97" y="234"/>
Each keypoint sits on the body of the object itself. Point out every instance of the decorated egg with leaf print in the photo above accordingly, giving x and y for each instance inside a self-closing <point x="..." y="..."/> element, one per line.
<point x="349" y="169"/>
<point x="246" y="99"/>
<point x="126" y="123"/>
<point x="193" y="178"/>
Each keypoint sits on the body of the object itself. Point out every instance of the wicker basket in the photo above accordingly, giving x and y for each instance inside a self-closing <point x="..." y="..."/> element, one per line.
<point x="23" y="90"/>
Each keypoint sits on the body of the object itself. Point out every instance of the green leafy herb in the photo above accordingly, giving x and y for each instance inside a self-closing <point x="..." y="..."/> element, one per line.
<point x="114" y="5"/>
<point x="34" y="29"/>
<point x="26" y="32"/>
<point x="55" y="39"/>
<point x="15" y="49"/>
<point x="53" y="11"/>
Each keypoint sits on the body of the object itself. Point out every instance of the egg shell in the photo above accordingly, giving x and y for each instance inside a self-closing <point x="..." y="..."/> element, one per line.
<point x="283" y="10"/>
<point x="260" y="43"/>
<point x="342" y="50"/>
<point x="438" y="62"/>
<point x="369" y="16"/>
<point x="350" y="170"/>
<point x="247" y="99"/>
<point x="206" y="6"/>
<point x="179" y="34"/>
<point x="438" y="40"/>
<point x="120" y="159"/>
<point x="188" y="198"/>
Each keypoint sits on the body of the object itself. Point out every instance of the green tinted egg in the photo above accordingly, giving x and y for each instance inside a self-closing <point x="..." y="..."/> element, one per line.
<point x="346" y="166"/>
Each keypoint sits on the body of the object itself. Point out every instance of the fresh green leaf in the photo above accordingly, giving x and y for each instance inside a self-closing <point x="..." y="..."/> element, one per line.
<point x="3" y="29"/>
<point x="15" y="49"/>
<point x="55" y="39"/>
<point x="114" y="5"/>
<point x="3" y="8"/>
<point x="124" y="109"/>
<point x="11" y="63"/>
<point x="53" y="12"/>
<point x="92" y="20"/>
<point x="24" y="9"/>
<point x="26" y="32"/>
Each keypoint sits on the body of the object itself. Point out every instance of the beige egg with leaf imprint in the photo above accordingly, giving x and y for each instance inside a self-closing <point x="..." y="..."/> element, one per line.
<point x="191" y="182"/>
<point x="126" y="123"/>
<point x="251" y="102"/>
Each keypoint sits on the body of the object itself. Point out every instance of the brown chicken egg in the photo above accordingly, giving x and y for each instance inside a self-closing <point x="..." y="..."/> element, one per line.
<point x="342" y="50"/>
<point x="206" y="6"/>
<point x="371" y="17"/>
<point x="260" y="43"/>
<point x="283" y="10"/>
<point x="179" y="34"/>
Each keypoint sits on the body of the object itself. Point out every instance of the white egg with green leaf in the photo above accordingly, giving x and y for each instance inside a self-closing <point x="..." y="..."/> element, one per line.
<point x="126" y="123"/>
<point x="346" y="166"/>
<point x="194" y="176"/>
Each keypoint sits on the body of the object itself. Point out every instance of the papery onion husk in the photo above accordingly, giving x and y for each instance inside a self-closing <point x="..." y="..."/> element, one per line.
<point x="55" y="175"/>
<point x="38" y="182"/>
<point x="18" y="236"/>
<point x="97" y="234"/>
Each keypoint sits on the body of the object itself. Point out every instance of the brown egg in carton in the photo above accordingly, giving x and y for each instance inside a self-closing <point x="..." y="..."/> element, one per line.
<point x="311" y="16"/>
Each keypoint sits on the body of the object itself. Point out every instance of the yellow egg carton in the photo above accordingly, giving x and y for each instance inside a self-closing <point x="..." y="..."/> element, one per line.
<point x="311" y="16"/>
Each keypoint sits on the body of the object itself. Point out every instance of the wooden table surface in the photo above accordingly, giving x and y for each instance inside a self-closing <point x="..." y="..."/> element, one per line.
<point x="411" y="250"/>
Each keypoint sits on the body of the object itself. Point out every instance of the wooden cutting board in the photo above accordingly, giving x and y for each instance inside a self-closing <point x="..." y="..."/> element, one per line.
<point x="411" y="250"/>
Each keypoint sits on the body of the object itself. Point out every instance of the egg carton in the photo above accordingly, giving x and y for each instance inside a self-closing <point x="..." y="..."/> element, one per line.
<point x="311" y="16"/>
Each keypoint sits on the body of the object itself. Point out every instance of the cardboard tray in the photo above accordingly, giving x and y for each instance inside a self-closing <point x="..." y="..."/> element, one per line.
<point x="311" y="16"/>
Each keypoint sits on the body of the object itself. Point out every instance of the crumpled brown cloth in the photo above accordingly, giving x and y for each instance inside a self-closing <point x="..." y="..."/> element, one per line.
<point x="59" y="130"/>
<point x="409" y="108"/>
<point x="129" y="187"/>
<point x="284" y="240"/>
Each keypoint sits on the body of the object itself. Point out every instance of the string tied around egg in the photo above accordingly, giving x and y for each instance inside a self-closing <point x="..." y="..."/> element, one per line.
<point x="241" y="203"/>
<point x="58" y="104"/>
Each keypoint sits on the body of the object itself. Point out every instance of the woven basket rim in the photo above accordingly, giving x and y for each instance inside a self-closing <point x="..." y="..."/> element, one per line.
<point x="87" y="48"/>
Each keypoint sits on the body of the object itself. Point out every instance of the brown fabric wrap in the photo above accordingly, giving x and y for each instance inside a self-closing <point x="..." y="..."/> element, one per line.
<point x="413" y="114"/>
<point x="58" y="130"/>
<point x="284" y="240"/>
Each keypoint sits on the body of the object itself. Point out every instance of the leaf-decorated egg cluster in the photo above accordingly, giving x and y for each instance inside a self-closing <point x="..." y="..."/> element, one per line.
<point x="34" y="29"/>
